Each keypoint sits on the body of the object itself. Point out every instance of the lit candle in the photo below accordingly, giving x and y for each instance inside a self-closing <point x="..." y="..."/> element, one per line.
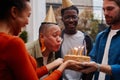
<point x="75" y="51"/>
<point x="81" y="50"/>
<point x="72" y="51"/>
<point x="69" y="52"/>
<point x="86" y="53"/>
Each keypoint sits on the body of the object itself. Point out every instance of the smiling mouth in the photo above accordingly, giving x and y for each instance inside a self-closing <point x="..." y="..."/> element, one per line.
<point x="108" y="19"/>
<point x="71" y="25"/>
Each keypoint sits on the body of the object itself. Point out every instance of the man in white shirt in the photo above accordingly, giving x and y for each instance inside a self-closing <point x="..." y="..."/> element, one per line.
<point x="71" y="37"/>
<point x="106" y="52"/>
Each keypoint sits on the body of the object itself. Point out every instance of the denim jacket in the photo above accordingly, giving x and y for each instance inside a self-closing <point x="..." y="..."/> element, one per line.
<point x="97" y="52"/>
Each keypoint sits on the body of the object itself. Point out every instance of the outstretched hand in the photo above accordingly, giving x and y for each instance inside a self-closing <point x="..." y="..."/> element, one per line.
<point x="54" y="64"/>
<point x="88" y="67"/>
<point x="58" y="61"/>
<point x="73" y="65"/>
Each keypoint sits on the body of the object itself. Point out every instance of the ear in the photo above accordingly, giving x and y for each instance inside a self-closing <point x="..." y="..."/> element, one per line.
<point x="41" y="35"/>
<point x="14" y="12"/>
<point x="42" y="44"/>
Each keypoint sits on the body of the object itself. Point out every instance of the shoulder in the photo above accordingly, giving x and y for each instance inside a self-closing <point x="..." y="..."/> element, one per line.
<point x="106" y="31"/>
<point x="32" y="44"/>
<point x="86" y="36"/>
<point x="9" y="41"/>
<point x="15" y="42"/>
<point x="80" y="32"/>
<point x="100" y="34"/>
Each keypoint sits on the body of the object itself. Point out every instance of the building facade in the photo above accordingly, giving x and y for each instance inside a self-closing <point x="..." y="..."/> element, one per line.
<point x="37" y="16"/>
<point x="39" y="9"/>
<point x="81" y="4"/>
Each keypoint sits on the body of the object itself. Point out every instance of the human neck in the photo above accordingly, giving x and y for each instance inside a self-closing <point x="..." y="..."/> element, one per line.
<point x="70" y="32"/>
<point x="115" y="26"/>
<point x="4" y="28"/>
<point x="46" y="53"/>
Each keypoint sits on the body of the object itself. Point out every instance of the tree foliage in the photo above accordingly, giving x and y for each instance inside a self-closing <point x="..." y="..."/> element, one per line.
<point x="24" y="36"/>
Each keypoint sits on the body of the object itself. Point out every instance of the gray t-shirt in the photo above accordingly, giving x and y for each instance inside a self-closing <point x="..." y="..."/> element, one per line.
<point x="69" y="42"/>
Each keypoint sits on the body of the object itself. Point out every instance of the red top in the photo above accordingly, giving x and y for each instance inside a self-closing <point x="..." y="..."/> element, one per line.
<point x="17" y="64"/>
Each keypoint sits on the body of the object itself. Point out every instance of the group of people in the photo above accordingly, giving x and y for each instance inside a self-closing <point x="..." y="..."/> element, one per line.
<point x="15" y="61"/>
<point x="46" y="62"/>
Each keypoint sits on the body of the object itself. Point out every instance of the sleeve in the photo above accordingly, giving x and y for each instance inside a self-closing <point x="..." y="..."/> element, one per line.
<point x="54" y="75"/>
<point x="115" y="71"/>
<point x="89" y="43"/>
<point x="93" y="53"/>
<point x="18" y="60"/>
<point x="41" y="71"/>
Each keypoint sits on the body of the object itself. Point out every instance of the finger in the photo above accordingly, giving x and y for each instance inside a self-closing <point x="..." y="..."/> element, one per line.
<point x="87" y="70"/>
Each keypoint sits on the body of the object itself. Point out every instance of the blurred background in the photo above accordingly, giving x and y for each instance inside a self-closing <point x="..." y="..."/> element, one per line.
<point x="91" y="18"/>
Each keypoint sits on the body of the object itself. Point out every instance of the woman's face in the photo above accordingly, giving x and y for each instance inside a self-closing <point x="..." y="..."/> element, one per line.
<point x="21" y="19"/>
<point x="52" y="38"/>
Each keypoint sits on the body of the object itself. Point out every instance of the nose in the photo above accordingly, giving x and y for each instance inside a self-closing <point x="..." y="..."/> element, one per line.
<point x="27" y="20"/>
<point x="71" y="19"/>
<point x="59" y="39"/>
<point x="106" y="12"/>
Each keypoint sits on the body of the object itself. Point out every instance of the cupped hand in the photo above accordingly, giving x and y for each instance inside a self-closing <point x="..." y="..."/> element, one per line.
<point x="73" y="65"/>
<point x="58" y="61"/>
<point x="88" y="67"/>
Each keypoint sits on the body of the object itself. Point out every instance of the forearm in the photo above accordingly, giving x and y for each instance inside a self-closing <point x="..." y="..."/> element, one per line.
<point x="41" y="71"/>
<point x="54" y="64"/>
<point x="54" y="75"/>
<point x="51" y="66"/>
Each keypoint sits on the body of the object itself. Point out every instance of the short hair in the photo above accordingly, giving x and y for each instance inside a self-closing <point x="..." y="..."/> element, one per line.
<point x="69" y="8"/>
<point x="44" y="26"/>
<point x="116" y="1"/>
<point x="6" y="5"/>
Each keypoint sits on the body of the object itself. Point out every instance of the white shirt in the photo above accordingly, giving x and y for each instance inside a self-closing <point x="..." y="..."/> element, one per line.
<point x="106" y="52"/>
<point x="69" y="42"/>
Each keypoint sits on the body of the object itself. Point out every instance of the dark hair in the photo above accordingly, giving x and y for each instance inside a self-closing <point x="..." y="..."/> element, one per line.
<point x="49" y="23"/>
<point x="117" y="2"/>
<point x="44" y="26"/>
<point x="69" y="8"/>
<point x="6" y="5"/>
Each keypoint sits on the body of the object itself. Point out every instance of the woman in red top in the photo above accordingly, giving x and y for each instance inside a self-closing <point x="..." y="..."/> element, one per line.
<point x="15" y="62"/>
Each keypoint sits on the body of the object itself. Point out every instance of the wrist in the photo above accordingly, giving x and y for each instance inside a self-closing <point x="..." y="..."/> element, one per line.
<point x="62" y="67"/>
<point x="98" y="67"/>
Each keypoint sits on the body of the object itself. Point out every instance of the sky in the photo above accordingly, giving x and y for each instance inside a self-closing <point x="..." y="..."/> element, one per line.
<point x="97" y="9"/>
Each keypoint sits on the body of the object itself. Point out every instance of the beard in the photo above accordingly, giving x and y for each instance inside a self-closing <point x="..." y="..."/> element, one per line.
<point x="112" y="20"/>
